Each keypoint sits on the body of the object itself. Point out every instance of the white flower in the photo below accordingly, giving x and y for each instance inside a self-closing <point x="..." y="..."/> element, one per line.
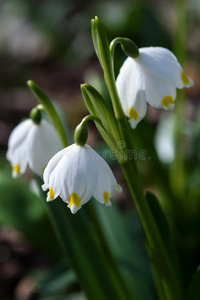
<point x="32" y="145"/>
<point x="151" y="77"/>
<point x="76" y="174"/>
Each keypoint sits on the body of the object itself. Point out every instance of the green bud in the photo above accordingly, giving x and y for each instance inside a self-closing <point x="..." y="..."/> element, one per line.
<point x="36" y="115"/>
<point x="101" y="44"/>
<point x="99" y="109"/>
<point x="81" y="134"/>
<point x="128" y="46"/>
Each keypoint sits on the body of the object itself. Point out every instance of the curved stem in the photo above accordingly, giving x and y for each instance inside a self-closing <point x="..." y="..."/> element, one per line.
<point x="170" y="284"/>
<point x="50" y="111"/>
<point x="128" y="46"/>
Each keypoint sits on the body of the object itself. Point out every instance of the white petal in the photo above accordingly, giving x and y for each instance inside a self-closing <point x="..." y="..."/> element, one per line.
<point x="162" y="63"/>
<point x="18" y="148"/>
<point x="138" y="110"/>
<point x="159" y="93"/>
<point x="106" y="183"/>
<point x="74" y="208"/>
<point x="74" y="174"/>
<point x="165" y="139"/>
<point x="45" y="187"/>
<point x="130" y="85"/>
<point x="85" y="174"/>
<point x="46" y="144"/>
<point x="118" y="188"/>
<point x="53" y="163"/>
<point x="18" y="135"/>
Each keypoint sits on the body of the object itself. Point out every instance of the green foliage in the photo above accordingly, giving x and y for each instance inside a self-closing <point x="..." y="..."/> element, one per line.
<point x="98" y="107"/>
<point x="20" y="208"/>
<point x="194" y="287"/>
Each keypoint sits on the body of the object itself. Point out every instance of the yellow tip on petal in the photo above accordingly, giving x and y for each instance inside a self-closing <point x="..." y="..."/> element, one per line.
<point x="133" y="114"/>
<point x="74" y="199"/>
<point x="119" y="188"/>
<point x="166" y="101"/>
<point x="51" y="193"/>
<point x="184" y="78"/>
<point x="106" y="197"/>
<point x="16" y="169"/>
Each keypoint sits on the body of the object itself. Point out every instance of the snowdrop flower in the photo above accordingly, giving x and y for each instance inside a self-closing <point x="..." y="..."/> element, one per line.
<point x="152" y="77"/>
<point x="32" y="145"/>
<point x="76" y="174"/>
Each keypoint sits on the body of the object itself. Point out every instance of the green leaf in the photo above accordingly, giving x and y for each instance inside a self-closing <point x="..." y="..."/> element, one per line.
<point x="101" y="44"/>
<point x="160" y="219"/>
<point x="98" y="107"/>
<point x="194" y="287"/>
<point x="125" y="236"/>
<point x="165" y="234"/>
<point x="163" y="227"/>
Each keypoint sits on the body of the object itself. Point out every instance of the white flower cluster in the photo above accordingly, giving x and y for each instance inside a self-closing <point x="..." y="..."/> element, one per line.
<point x="78" y="173"/>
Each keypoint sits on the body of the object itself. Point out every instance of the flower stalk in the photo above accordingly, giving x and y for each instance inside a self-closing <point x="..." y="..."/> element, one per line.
<point x="169" y="283"/>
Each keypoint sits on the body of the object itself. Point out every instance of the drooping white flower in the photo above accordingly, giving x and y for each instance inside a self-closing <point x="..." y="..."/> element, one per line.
<point x="151" y="77"/>
<point x="76" y="174"/>
<point x="32" y="145"/>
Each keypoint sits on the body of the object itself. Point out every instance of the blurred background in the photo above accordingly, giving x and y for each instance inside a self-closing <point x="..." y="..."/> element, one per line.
<point x="50" y="42"/>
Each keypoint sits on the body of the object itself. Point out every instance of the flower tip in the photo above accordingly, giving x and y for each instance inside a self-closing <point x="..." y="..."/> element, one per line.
<point x="133" y="123"/>
<point x="118" y="188"/>
<point x="191" y="82"/>
<point x="15" y="174"/>
<point x="109" y="204"/>
<point x="73" y="208"/>
<point x="44" y="187"/>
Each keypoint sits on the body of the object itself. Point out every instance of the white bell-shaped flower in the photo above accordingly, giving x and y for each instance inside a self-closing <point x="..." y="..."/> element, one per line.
<point x="32" y="145"/>
<point x="151" y="77"/>
<point x="76" y="174"/>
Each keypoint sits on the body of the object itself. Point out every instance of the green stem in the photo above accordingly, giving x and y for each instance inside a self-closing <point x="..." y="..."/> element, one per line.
<point x="153" y="236"/>
<point x="50" y="111"/>
<point x="93" y="118"/>
<point x="177" y="172"/>
<point x="128" y="46"/>
<point x="110" y="82"/>
<point x="169" y="282"/>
